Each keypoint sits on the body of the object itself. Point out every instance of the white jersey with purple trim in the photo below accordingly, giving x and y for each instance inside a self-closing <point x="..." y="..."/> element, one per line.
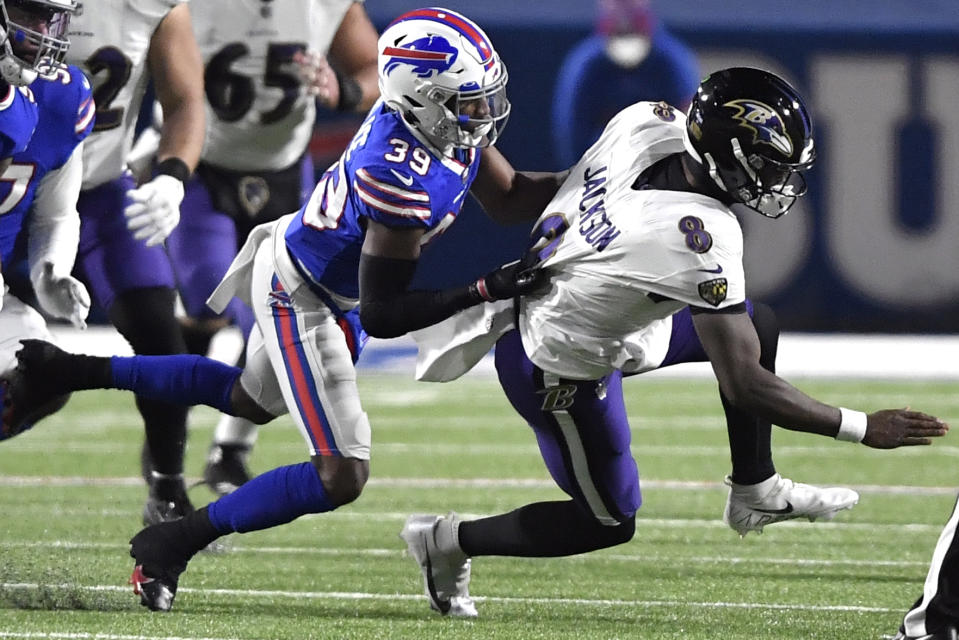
<point x="259" y="117"/>
<point x="110" y="41"/>
<point x="624" y="260"/>
<point x="386" y="174"/>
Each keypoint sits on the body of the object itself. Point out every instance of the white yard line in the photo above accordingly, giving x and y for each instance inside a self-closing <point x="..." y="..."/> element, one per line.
<point x="41" y="481"/>
<point x="641" y="558"/>
<point x="392" y="597"/>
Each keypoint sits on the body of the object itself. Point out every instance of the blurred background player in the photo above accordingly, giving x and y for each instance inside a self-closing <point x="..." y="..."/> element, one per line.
<point x="935" y="615"/>
<point x="631" y="57"/>
<point x="121" y="46"/>
<point x="312" y="277"/>
<point x="46" y="110"/>
<point x="645" y="258"/>
<point x="269" y="64"/>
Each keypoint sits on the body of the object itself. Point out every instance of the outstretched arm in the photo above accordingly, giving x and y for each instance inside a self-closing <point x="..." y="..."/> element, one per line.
<point x="387" y="264"/>
<point x="731" y="343"/>
<point x="509" y="196"/>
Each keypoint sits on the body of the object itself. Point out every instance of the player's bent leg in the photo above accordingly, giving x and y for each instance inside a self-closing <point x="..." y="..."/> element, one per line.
<point x="581" y="429"/>
<point x="161" y="551"/>
<point x="584" y="438"/>
<point x="777" y="499"/>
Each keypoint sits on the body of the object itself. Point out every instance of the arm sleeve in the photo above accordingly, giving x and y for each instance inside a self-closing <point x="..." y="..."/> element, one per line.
<point x="388" y="309"/>
<point x="54" y="224"/>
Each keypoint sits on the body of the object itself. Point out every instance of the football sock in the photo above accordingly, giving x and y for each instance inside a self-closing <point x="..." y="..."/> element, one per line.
<point x="146" y="318"/>
<point x="182" y="379"/>
<point x="750" y="438"/>
<point x="750" y="445"/>
<point x="275" y="497"/>
<point x="170" y="487"/>
<point x="541" y="530"/>
<point x="194" y="531"/>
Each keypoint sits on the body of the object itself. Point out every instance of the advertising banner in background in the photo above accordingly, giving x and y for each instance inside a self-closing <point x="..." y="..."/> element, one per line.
<point x="875" y="244"/>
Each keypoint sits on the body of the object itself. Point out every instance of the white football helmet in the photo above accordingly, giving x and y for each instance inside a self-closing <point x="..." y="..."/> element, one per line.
<point x="440" y="72"/>
<point x="33" y="38"/>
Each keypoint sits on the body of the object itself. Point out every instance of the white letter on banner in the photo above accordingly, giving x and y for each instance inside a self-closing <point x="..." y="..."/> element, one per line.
<point x="863" y="101"/>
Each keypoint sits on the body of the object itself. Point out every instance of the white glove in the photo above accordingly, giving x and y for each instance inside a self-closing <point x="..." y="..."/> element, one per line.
<point x="62" y="296"/>
<point x="318" y="77"/>
<point x="155" y="211"/>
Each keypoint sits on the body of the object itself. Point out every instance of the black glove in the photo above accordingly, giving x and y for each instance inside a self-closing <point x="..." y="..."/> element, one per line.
<point x="510" y="280"/>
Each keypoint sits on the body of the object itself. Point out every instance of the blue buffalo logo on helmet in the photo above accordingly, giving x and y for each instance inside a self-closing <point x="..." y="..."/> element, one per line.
<point x="428" y="56"/>
<point x="767" y="125"/>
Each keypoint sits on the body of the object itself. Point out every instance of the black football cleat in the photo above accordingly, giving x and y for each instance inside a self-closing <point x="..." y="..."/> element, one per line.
<point x="158" y="566"/>
<point x="32" y="390"/>
<point x="165" y="508"/>
<point x="226" y="468"/>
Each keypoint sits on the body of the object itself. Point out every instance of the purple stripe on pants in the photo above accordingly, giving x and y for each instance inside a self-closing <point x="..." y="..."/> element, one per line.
<point x="599" y="419"/>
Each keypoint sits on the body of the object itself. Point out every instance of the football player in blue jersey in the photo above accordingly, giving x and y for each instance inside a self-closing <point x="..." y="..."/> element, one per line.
<point x="319" y="279"/>
<point x="45" y="113"/>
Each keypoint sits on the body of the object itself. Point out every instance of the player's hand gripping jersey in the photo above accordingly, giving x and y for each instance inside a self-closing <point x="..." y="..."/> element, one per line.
<point x="623" y="260"/>
<point x="388" y="175"/>
<point x="110" y="41"/>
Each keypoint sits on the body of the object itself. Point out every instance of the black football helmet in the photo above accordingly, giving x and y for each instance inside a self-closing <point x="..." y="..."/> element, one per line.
<point x="752" y="133"/>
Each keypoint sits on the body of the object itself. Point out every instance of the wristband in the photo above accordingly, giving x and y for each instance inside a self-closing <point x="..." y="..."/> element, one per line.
<point x="350" y="92"/>
<point x="852" y="427"/>
<point x="174" y="167"/>
<point x="480" y="292"/>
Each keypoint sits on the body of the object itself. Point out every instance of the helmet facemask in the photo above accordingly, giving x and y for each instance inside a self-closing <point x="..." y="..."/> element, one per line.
<point x="472" y="118"/>
<point x="772" y="187"/>
<point x="34" y="40"/>
<point x="753" y="135"/>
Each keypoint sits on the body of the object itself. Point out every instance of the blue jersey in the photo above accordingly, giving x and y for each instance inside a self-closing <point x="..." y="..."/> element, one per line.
<point x="18" y="120"/>
<point x="387" y="175"/>
<point x="65" y="117"/>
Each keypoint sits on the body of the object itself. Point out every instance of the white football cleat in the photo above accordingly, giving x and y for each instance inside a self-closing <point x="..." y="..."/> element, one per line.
<point x="431" y="540"/>
<point x="752" y="507"/>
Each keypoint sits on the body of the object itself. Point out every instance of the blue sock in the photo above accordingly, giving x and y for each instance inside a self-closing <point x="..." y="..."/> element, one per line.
<point x="275" y="497"/>
<point x="179" y="379"/>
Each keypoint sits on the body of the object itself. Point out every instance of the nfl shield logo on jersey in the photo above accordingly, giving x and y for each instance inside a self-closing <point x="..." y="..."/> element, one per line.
<point x="713" y="291"/>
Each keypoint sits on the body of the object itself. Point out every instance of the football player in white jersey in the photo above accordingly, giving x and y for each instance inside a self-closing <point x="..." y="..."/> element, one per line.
<point x="644" y="256"/>
<point x="266" y="70"/>
<point x="318" y="280"/>
<point x="121" y="45"/>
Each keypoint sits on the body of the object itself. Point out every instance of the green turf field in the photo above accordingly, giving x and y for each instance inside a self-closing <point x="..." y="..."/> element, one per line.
<point x="70" y="499"/>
